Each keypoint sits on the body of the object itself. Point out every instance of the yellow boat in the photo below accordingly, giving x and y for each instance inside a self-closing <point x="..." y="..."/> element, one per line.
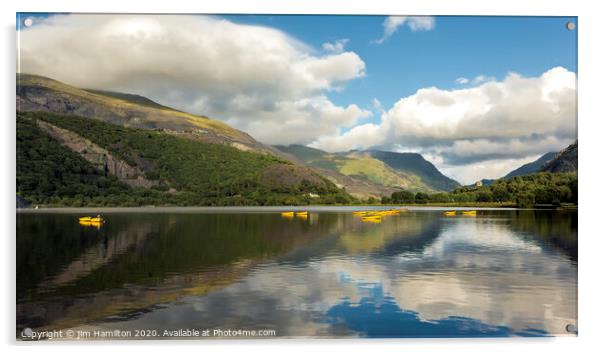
<point x="92" y="220"/>
<point x="287" y="214"/>
<point x="95" y="224"/>
<point x="360" y="213"/>
<point x="301" y="213"/>
<point x="449" y="213"/>
<point x="470" y="213"/>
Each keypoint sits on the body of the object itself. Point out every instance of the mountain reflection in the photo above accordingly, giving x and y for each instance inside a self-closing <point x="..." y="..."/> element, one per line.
<point x="419" y="274"/>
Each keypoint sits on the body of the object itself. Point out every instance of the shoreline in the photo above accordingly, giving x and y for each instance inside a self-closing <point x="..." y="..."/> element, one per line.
<point x="280" y="208"/>
<point x="255" y="209"/>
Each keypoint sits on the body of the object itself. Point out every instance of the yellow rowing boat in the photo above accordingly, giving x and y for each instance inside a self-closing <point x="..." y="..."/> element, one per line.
<point x="361" y="213"/>
<point x="96" y="224"/>
<point x="97" y="219"/>
<point x="449" y="213"/>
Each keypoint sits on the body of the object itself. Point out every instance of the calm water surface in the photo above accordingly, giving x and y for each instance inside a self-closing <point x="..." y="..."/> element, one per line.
<point x="502" y="273"/>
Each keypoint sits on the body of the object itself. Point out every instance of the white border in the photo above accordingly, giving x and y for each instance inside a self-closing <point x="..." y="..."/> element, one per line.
<point x="590" y="115"/>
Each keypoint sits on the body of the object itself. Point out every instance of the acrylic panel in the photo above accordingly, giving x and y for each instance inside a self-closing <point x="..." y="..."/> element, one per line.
<point x="295" y="176"/>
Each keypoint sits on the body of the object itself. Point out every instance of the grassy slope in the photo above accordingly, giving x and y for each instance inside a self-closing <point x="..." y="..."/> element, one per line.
<point x="132" y="98"/>
<point x="125" y="103"/>
<point x="359" y="165"/>
<point x="202" y="173"/>
<point x="364" y="166"/>
<point x="310" y="156"/>
<point x="417" y="165"/>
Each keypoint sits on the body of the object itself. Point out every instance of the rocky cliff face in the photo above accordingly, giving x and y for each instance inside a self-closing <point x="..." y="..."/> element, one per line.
<point x="564" y="161"/>
<point x="102" y="159"/>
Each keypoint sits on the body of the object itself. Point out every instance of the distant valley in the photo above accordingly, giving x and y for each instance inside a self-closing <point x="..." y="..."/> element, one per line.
<point x="383" y="171"/>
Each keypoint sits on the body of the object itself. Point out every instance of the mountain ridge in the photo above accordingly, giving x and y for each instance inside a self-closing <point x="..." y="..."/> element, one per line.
<point x="565" y="161"/>
<point x="414" y="162"/>
<point x="531" y="167"/>
<point x="35" y="93"/>
<point x="395" y="171"/>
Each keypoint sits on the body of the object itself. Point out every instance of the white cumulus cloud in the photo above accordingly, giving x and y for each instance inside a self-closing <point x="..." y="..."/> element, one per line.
<point x="415" y="23"/>
<point x="497" y="120"/>
<point x="258" y="78"/>
<point x="337" y="47"/>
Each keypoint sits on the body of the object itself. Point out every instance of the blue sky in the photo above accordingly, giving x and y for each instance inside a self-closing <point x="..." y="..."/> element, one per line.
<point x="443" y="84"/>
<point x="458" y="46"/>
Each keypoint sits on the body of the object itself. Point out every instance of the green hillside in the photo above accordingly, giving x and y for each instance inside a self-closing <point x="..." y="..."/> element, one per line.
<point x="416" y="164"/>
<point x="48" y="173"/>
<point x="389" y="169"/>
<point x="186" y="172"/>
<point x="362" y="165"/>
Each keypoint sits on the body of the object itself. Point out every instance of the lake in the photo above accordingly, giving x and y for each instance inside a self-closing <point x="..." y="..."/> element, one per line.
<point x="158" y="272"/>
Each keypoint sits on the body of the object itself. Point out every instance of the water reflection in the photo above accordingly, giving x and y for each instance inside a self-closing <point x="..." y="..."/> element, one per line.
<point x="388" y="320"/>
<point x="417" y="274"/>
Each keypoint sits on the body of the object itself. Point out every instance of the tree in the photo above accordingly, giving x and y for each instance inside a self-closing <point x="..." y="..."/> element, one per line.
<point x="484" y="196"/>
<point x="402" y="197"/>
<point x="525" y="199"/>
<point x="421" y="198"/>
<point x="500" y="192"/>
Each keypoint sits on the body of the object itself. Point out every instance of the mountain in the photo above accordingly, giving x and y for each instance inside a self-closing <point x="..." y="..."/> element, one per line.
<point x="531" y="167"/>
<point x="416" y="164"/>
<point x="326" y="165"/>
<point x="387" y="171"/>
<point x="80" y="147"/>
<point x="41" y="94"/>
<point x="564" y="161"/>
<point x="76" y="161"/>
